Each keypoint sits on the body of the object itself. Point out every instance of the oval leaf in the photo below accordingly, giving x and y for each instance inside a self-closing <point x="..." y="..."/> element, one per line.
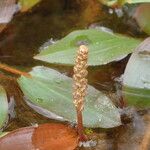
<point x="3" y="106"/>
<point x="52" y="91"/>
<point x="44" y="137"/>
<point x="137" y="76"/>
<point x="103" y="47"/>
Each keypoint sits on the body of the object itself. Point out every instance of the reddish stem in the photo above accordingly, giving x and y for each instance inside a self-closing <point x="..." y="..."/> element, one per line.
<point x="13" y="70"/>
<point x="80" y="127"/>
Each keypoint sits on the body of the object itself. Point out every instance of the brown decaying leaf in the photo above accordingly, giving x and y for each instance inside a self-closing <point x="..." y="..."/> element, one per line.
<point x="52" y="136"/>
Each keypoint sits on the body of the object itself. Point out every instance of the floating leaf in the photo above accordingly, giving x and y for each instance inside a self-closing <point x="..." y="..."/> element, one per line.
<point x="103" y="47"/>
<point x="137" y="76"/>
<point x="3" y="106"/>
<point x="44" y="137"/>
<point x="142" y="16"/>
<point x="52" y="91"/>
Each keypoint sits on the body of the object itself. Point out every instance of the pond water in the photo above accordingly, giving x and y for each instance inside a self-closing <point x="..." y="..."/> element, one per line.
<point x="51" y="20"/>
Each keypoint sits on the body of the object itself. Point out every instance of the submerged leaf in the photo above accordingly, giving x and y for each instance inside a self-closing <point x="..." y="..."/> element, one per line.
<point x="103" y="47"/>
<point x="44" y="137"/>
<point x="3" y="106"/>
<point x="137" y="76"/>
<point x="52" y="91"/>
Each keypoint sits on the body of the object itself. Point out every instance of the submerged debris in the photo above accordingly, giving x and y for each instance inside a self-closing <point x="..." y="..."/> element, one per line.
<point x="89" y="143"/>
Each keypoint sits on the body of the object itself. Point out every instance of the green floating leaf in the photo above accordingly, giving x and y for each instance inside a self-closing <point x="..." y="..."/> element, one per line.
<point x="103" y="47"/>
<point x="52" y="91"/>
<point x="142" y="16"/>
<point x="137" y="76"/>
<point x="3" y="106"/>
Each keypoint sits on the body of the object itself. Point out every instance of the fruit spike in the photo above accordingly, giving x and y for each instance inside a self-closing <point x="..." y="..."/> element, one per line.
<point x="80" y="86"/>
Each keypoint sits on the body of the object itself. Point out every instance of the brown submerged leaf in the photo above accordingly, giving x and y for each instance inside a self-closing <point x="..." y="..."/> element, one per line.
<point x="52" y="136"/>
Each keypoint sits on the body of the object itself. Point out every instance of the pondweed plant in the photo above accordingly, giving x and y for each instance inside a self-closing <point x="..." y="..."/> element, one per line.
<point x="47" y="89"/>
<point x="52" y="91"/>
<point x="80" y="86"/>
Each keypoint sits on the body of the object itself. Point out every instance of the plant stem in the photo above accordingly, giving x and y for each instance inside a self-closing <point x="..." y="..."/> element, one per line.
<point x="13" y="70"/>
<point x="80" y="127"/>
